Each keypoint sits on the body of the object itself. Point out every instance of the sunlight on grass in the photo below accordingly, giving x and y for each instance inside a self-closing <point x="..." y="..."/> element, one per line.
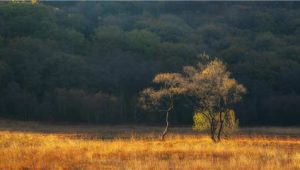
<point x="19" y="150"/>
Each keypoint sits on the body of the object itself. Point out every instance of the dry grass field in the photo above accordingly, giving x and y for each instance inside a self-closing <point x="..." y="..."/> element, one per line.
<point x="31" y="145"/>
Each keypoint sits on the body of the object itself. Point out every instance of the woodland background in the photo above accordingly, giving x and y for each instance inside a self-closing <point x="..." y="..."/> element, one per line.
<point x="88" y="61"/>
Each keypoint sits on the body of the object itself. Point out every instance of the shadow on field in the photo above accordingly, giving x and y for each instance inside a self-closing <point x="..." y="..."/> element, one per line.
<point x="87" y="131"/>
<point x="84" y="131"/>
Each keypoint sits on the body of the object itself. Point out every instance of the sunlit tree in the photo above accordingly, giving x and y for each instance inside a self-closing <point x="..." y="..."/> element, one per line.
<point x="171" y="86"/>
<point x="34" y="1"/>
<point x="215" y="93"/>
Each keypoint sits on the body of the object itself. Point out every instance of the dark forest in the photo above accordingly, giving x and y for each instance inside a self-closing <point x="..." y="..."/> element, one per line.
<point x="88" y="61"/>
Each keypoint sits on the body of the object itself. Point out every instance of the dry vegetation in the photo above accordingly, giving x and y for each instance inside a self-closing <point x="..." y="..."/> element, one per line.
<point x="39" y="146"/>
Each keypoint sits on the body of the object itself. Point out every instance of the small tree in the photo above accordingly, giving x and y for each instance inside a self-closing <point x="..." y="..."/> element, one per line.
<point x="171" y="85"/>
<point x="215" y="93"/>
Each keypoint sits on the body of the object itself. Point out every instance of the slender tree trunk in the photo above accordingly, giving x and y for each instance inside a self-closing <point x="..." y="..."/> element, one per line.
<point x="212" y="130"/>
<point x="167" y="127"/>
<point x="221" y="127"/>
<point x="167" y="122"/>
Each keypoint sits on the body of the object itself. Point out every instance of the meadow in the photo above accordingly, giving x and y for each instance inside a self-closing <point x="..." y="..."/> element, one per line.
<point x="34" y="145"/>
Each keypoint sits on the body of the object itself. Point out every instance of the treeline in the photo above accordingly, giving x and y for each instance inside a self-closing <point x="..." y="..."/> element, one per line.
<point x="88" y="61"/>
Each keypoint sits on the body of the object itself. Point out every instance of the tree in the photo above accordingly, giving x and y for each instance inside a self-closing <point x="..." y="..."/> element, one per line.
<point x="33" y="2"/>
<point x="215" y="92"/>
<point x="163" y="98"/>
<point x="109" y="38"/>
<point x="143" y="42"/>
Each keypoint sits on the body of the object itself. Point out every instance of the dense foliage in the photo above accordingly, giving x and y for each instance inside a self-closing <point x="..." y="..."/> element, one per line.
<point x="87" y="61"/>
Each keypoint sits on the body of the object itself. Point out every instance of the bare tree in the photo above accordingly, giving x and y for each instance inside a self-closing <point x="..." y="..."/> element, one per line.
<point x="171" y="85"/>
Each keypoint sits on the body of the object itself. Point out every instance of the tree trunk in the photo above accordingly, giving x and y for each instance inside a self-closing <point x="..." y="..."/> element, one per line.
<point x="167" y="122"/>
<point x="221" y="127"/>
<point x="167" y="127"/>
<point x="212" y="130"/>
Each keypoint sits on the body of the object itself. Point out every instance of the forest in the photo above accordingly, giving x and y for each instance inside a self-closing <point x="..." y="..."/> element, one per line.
<point x="88" y="62"/>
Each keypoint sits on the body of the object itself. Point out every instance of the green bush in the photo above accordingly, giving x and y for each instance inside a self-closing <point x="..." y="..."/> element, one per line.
<point x="203" y="123"/>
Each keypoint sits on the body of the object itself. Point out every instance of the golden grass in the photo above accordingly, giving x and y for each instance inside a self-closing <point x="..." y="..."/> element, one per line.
<point x="37" y="150"/>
